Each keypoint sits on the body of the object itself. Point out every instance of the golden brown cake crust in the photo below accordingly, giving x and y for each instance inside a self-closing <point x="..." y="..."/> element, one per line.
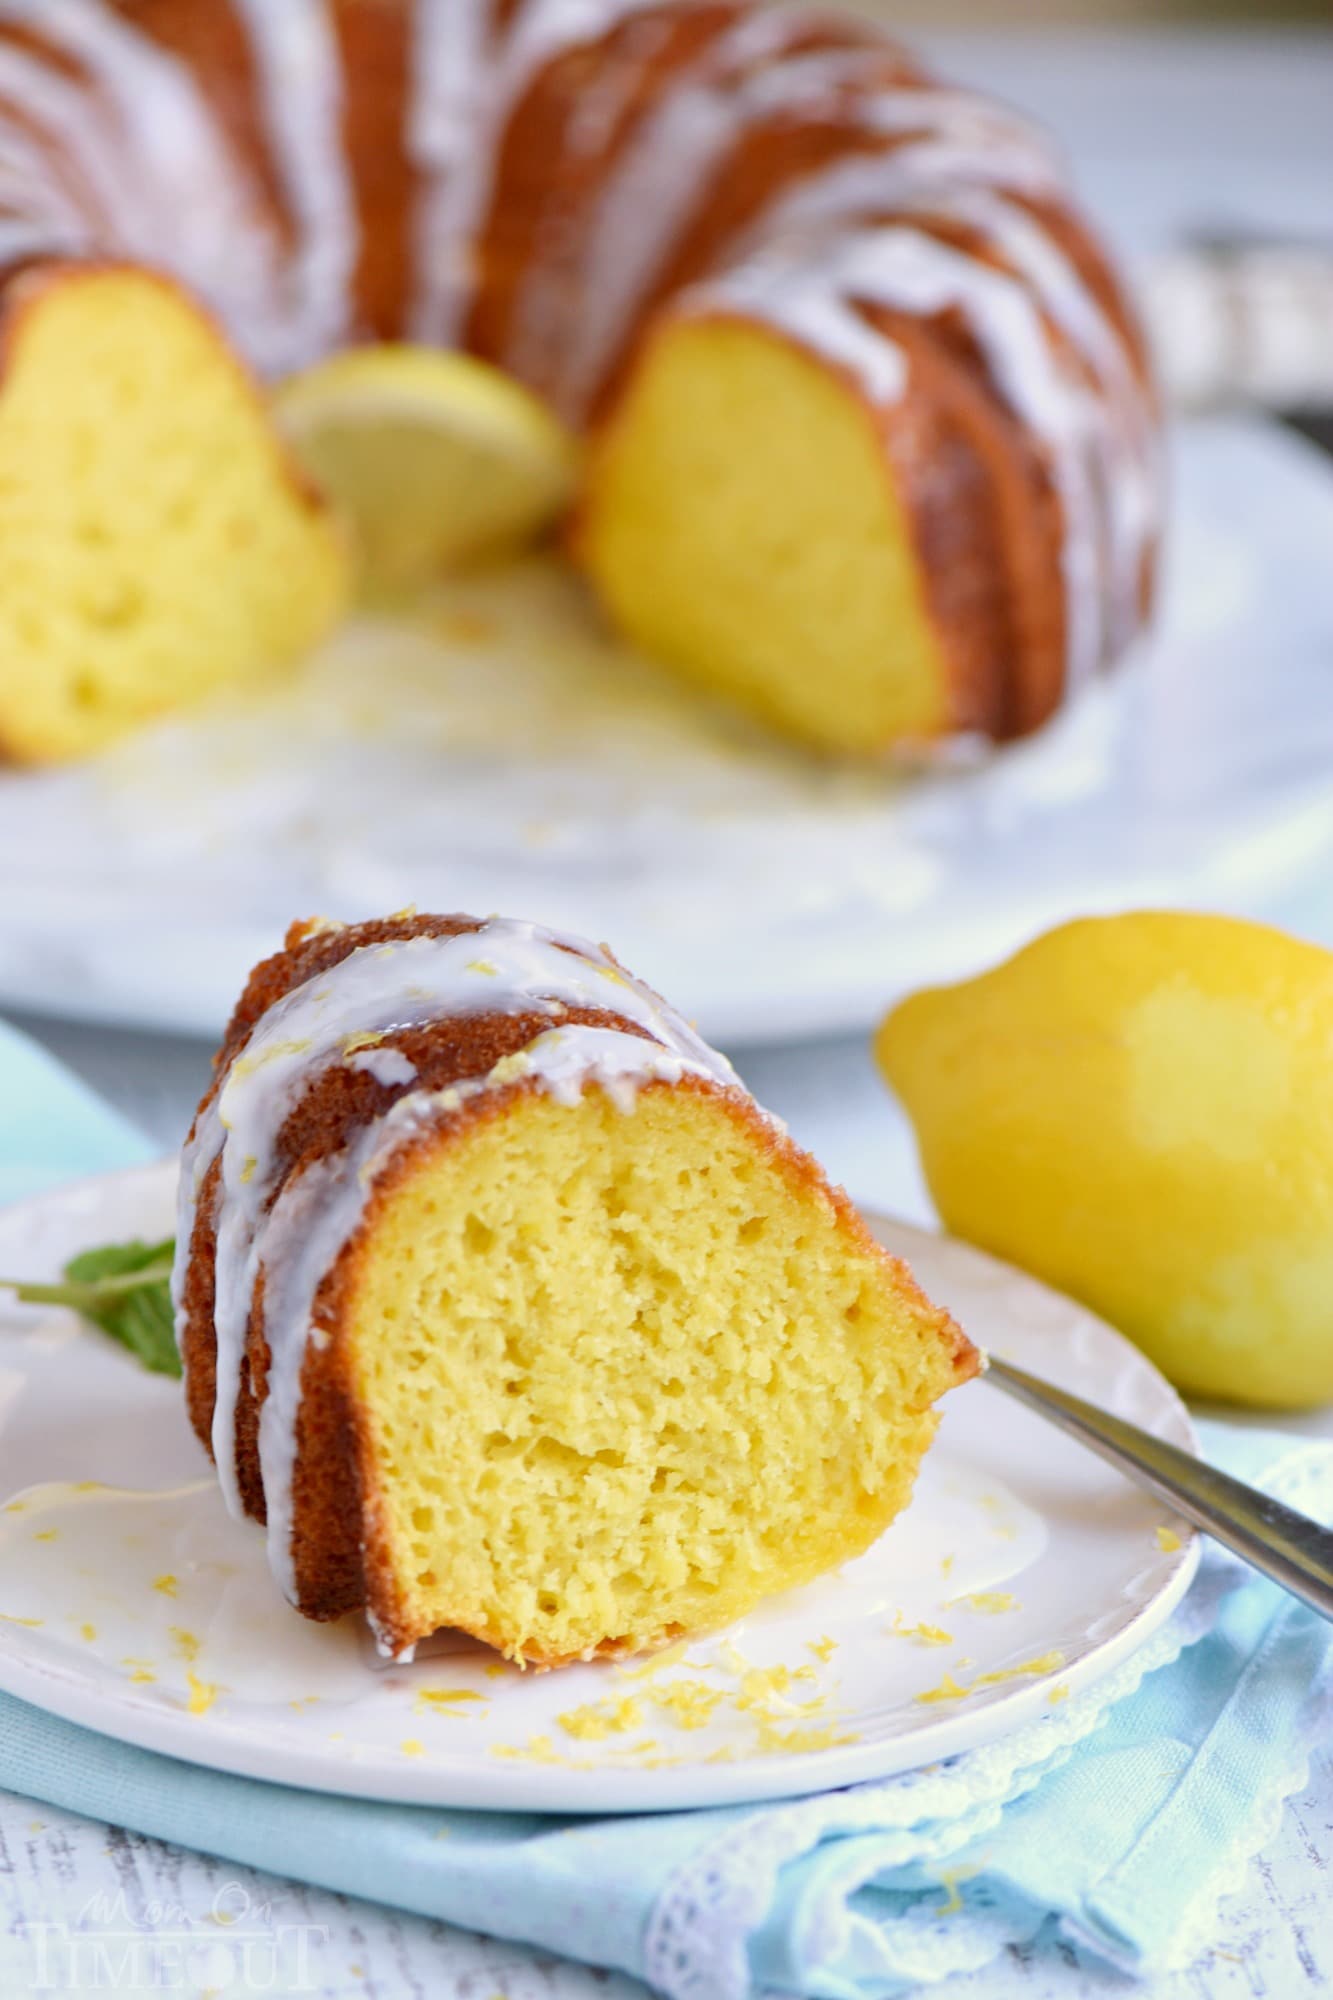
<point x="341" y="1563"/>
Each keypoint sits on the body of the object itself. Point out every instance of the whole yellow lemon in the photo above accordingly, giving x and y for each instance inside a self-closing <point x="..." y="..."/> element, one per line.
<point x="1140" y="1110"/>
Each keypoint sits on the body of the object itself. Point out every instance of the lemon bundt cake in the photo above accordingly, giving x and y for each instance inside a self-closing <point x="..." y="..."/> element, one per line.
<point x="873" y="446"/>
<point x="504" y="1305"/>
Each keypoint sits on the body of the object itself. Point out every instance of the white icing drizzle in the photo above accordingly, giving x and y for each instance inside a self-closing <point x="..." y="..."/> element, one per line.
<point x="504" y="967"/>
<point x="550" y="302"/>
<point x="145" y="144"/>
<point x="655" y="186"/>
<point x="149" y="173"/>
<point x="387" y="1066"/>
<point x="29" y="190"/>
<point x="666" y="170"/>
<point x="446" y="143"/>
<point x="947" y="119"/>
<point x="1118" y="424"/>
<point x="459" y="65"/>
<point x="813" y="297"/>
<point x="20" y="237"/>
<point x="98" y="153"/>
<point x="300" y="71"/>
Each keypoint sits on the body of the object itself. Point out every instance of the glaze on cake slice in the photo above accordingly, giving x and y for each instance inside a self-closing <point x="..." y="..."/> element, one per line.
<point x="508" y="1310"/>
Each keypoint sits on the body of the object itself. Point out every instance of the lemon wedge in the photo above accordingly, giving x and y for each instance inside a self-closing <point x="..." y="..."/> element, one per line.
<point x="436" y="459"/>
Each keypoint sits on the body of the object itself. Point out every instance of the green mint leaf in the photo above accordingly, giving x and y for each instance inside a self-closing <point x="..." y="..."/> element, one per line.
<point x="123" y="1288"/>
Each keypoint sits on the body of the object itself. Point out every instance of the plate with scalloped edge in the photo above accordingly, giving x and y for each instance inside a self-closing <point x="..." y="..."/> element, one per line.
<point x="1024" y="1571"/>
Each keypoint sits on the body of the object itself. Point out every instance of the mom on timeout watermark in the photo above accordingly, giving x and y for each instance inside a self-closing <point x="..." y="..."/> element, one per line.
<point x="238" y="1945"/>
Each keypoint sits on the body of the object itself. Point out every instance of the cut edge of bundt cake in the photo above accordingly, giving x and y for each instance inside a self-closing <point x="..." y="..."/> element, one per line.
<point x="507" y="1308"/>
<point x="740" y="521"/>
<point x="671" y="1377"/>
<point x="156" y="542"/>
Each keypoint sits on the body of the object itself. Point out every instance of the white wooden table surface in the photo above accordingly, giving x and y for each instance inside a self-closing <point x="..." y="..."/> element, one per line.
<point x="1171" y="133"/>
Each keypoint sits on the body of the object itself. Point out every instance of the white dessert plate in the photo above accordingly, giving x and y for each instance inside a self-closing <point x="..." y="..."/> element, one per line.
<point x="495" y="751"/>
<point x="1023" y="1570"/>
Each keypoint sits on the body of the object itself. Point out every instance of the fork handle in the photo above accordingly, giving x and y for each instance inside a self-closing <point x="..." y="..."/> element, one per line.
<point x="1292" y="1549"/>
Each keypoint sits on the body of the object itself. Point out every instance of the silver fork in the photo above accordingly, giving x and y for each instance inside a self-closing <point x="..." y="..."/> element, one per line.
<point x="1289" y="1547"/>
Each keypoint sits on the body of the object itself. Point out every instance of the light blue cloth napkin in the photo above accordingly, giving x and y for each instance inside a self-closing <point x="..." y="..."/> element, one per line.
<point x="51" y="1128"/>
<point x="1114" y="1823"/>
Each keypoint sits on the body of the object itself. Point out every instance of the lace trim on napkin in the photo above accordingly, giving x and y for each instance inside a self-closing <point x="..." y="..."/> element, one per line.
<point x="695" y="1947"/>
<point x="1304" y="1481"/>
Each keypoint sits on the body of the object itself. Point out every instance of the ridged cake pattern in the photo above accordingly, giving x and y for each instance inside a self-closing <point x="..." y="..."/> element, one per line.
<point x="536" y="180"/>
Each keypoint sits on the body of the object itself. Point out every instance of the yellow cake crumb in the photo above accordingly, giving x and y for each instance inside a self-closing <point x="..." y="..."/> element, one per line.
<point x="927" y="1635"/>
<point x="1168" y="1541"/>
<point x="88" y="1633"/>
<point x="246" y="1065"/>
<point x="597" y="1720"/>
<point x="412" y="1746"/>
<point x="950" y="1690"/>
<point x="990" y="1601"/>
<point x="670" y="1656"/>
<point x="758" y="1683"/>
<point x="202" y="1693"/>
<point x="446" y="1701"/>
<point x="823" y="1649"/>
<point x="46" y="1534"/>
<point x="509" y="1069"/>
<point x="1000" y="1526"/>
<point x="949" y="1879"/>
<point x="166" y="1584"/>
<point x="797" y="1742"/>
<point x="690" y="1704"/>
<point x="537" y="1750"/>
<point x="365" y="1038"/>
<point x="1060" y="1692"/>
<point x="1044" y="1663"/>
<point x="947" y="1690"/>
<point x="186" y="1643"/>
<point x="8" y="1618"/>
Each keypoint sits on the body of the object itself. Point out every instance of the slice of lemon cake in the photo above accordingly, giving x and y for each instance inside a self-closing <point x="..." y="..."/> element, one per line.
<point x="155" y="540"/>
<point x="509" y="1310"/>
